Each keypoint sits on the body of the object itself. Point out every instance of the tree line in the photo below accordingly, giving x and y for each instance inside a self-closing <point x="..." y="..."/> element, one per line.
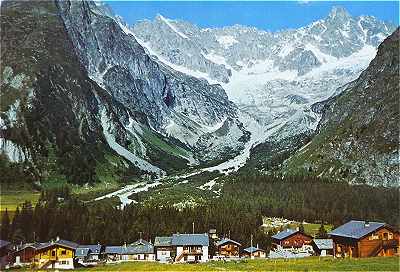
<point x="238" y="212"/>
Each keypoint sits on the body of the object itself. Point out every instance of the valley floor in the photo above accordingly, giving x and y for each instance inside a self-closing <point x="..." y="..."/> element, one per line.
<point x="306" y="264"/>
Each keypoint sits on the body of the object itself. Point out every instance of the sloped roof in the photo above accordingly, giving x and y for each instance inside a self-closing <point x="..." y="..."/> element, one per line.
<point x="142" y="246"/>
<point x="190" y="239"/>
<point x="163" y="241"/>
<point x="82" y="252"/>
<point x="324" y="243"/>
<point x="27" y="245"/>
<point x="127" y="250"/>
<point x="227" y="241"/>
<point x="284" y="234"/>
<point x="4" y="243"/>
<point x="64" y="243"/>
<point x="115" y="250"/>
<point x="356" y="229"/>
<point x="141" y="242"/>
<point x="253" y="249"/>
<point x="94" y="249"/>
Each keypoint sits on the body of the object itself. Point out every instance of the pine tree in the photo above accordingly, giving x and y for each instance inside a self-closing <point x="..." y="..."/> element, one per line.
<point x="5" y="226"/>
<point x="322" y="233"/>
<point x="301" y="228"/>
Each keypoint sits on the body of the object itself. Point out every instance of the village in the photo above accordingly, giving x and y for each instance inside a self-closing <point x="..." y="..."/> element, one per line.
<point x="354" y="239"/>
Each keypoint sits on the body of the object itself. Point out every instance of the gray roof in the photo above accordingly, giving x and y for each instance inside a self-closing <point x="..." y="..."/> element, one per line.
<point x="253" y="249"/>
<point x="142" y="246"/>
<point x="85" y="250"/>
<point x="116" y="250"/>
<point x="130" y="250"/>
<point x="141" y="242"/>
<point x="4" y="243"/>
<point x="64" y="243"/>
<point x="227" y="241"/>
<point x="284" y="234"/>
<point x="324" y="243"/>
<point x="189" y="239"/>
<point x="162" y="241"/>
<point x="94" y="249"/>
<point x="27" y="245"/>
<point x="82" y="252"/>
<point x="356" y="229"/>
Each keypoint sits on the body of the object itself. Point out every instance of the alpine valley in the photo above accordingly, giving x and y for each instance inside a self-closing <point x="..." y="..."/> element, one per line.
<point x="88" y="99"/>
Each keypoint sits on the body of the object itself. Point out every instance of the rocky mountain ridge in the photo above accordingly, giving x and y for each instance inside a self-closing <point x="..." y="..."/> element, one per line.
<point x="358" y="135"/>
<point x="132" y="113"/>
<point x="273" y="77"/>
<point x="108" y="101"/>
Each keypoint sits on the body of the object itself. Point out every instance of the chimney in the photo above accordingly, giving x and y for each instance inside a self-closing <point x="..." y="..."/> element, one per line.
<point x="366" y="224"/>
<point x="257" y="246"/>
<point x="58" y="238"/>
<point x="297" y="228"/>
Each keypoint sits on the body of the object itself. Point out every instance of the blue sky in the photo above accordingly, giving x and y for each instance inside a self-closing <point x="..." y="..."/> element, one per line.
<point x="272" y="15"/>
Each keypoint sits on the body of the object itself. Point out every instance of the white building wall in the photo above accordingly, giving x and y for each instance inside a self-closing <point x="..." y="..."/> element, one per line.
<point x="179" y="250"/>
<point x="204" y="258"/>
<point x="163" y="255"/>
<point x="64" y="264"/>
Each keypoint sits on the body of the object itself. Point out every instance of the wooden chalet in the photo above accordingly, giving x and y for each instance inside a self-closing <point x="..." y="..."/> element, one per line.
<point x="291" y="239"/>
<point x="365" y="239"/>
<point x="323" y="247"/>
<point x="254" y="252"/>
<point x="24" y="254"/>
<point x="228" y="248"/>
<point x="58" y="254"/>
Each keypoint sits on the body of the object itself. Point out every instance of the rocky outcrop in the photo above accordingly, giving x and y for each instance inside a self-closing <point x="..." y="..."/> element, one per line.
<point x="81" y="99"/>
<point x="358" y="138"/>
<point x="113" y="58"/>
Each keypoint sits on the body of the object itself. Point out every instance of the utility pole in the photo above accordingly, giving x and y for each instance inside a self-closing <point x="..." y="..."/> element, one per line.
<point x="140" y="235"/>
<point x="229" y="234"/>
<point x="251" y="247"/>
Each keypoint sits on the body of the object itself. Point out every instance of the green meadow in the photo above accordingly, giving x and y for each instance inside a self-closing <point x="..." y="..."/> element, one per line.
<point x="306" y="264"/>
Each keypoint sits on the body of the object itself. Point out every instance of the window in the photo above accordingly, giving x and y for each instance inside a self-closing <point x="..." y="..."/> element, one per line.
<point x="53" y="253"/>
<point x="64" y="252"/>
<point x="385" y="236"/>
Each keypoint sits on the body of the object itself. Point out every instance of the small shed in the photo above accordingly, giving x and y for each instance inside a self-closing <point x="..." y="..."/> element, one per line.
<point x="323" y="247"/>
<point x="256" y="252"/>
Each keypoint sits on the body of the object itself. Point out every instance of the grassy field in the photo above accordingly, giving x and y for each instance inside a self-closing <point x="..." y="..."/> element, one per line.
<point x="306" y="264"/>
<point x="312" y="229"/>
<point x="11" y="199"/>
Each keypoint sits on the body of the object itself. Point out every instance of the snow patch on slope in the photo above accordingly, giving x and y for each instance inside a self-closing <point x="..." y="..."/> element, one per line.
<point x="226" y="41"/>
<point x="168" y="22"/>
<point x="164" y="61"/>
<point x="13" y="152"/>
<point x="124" y="193"/>
<point x="122" y="151"/>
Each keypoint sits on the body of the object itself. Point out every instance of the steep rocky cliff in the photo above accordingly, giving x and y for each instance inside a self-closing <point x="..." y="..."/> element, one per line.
<point x="82" y="101"/>
<point x="358" y="135"/>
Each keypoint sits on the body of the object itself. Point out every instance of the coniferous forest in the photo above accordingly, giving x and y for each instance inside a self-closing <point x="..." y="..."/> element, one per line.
<point x="238" y="211"/>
